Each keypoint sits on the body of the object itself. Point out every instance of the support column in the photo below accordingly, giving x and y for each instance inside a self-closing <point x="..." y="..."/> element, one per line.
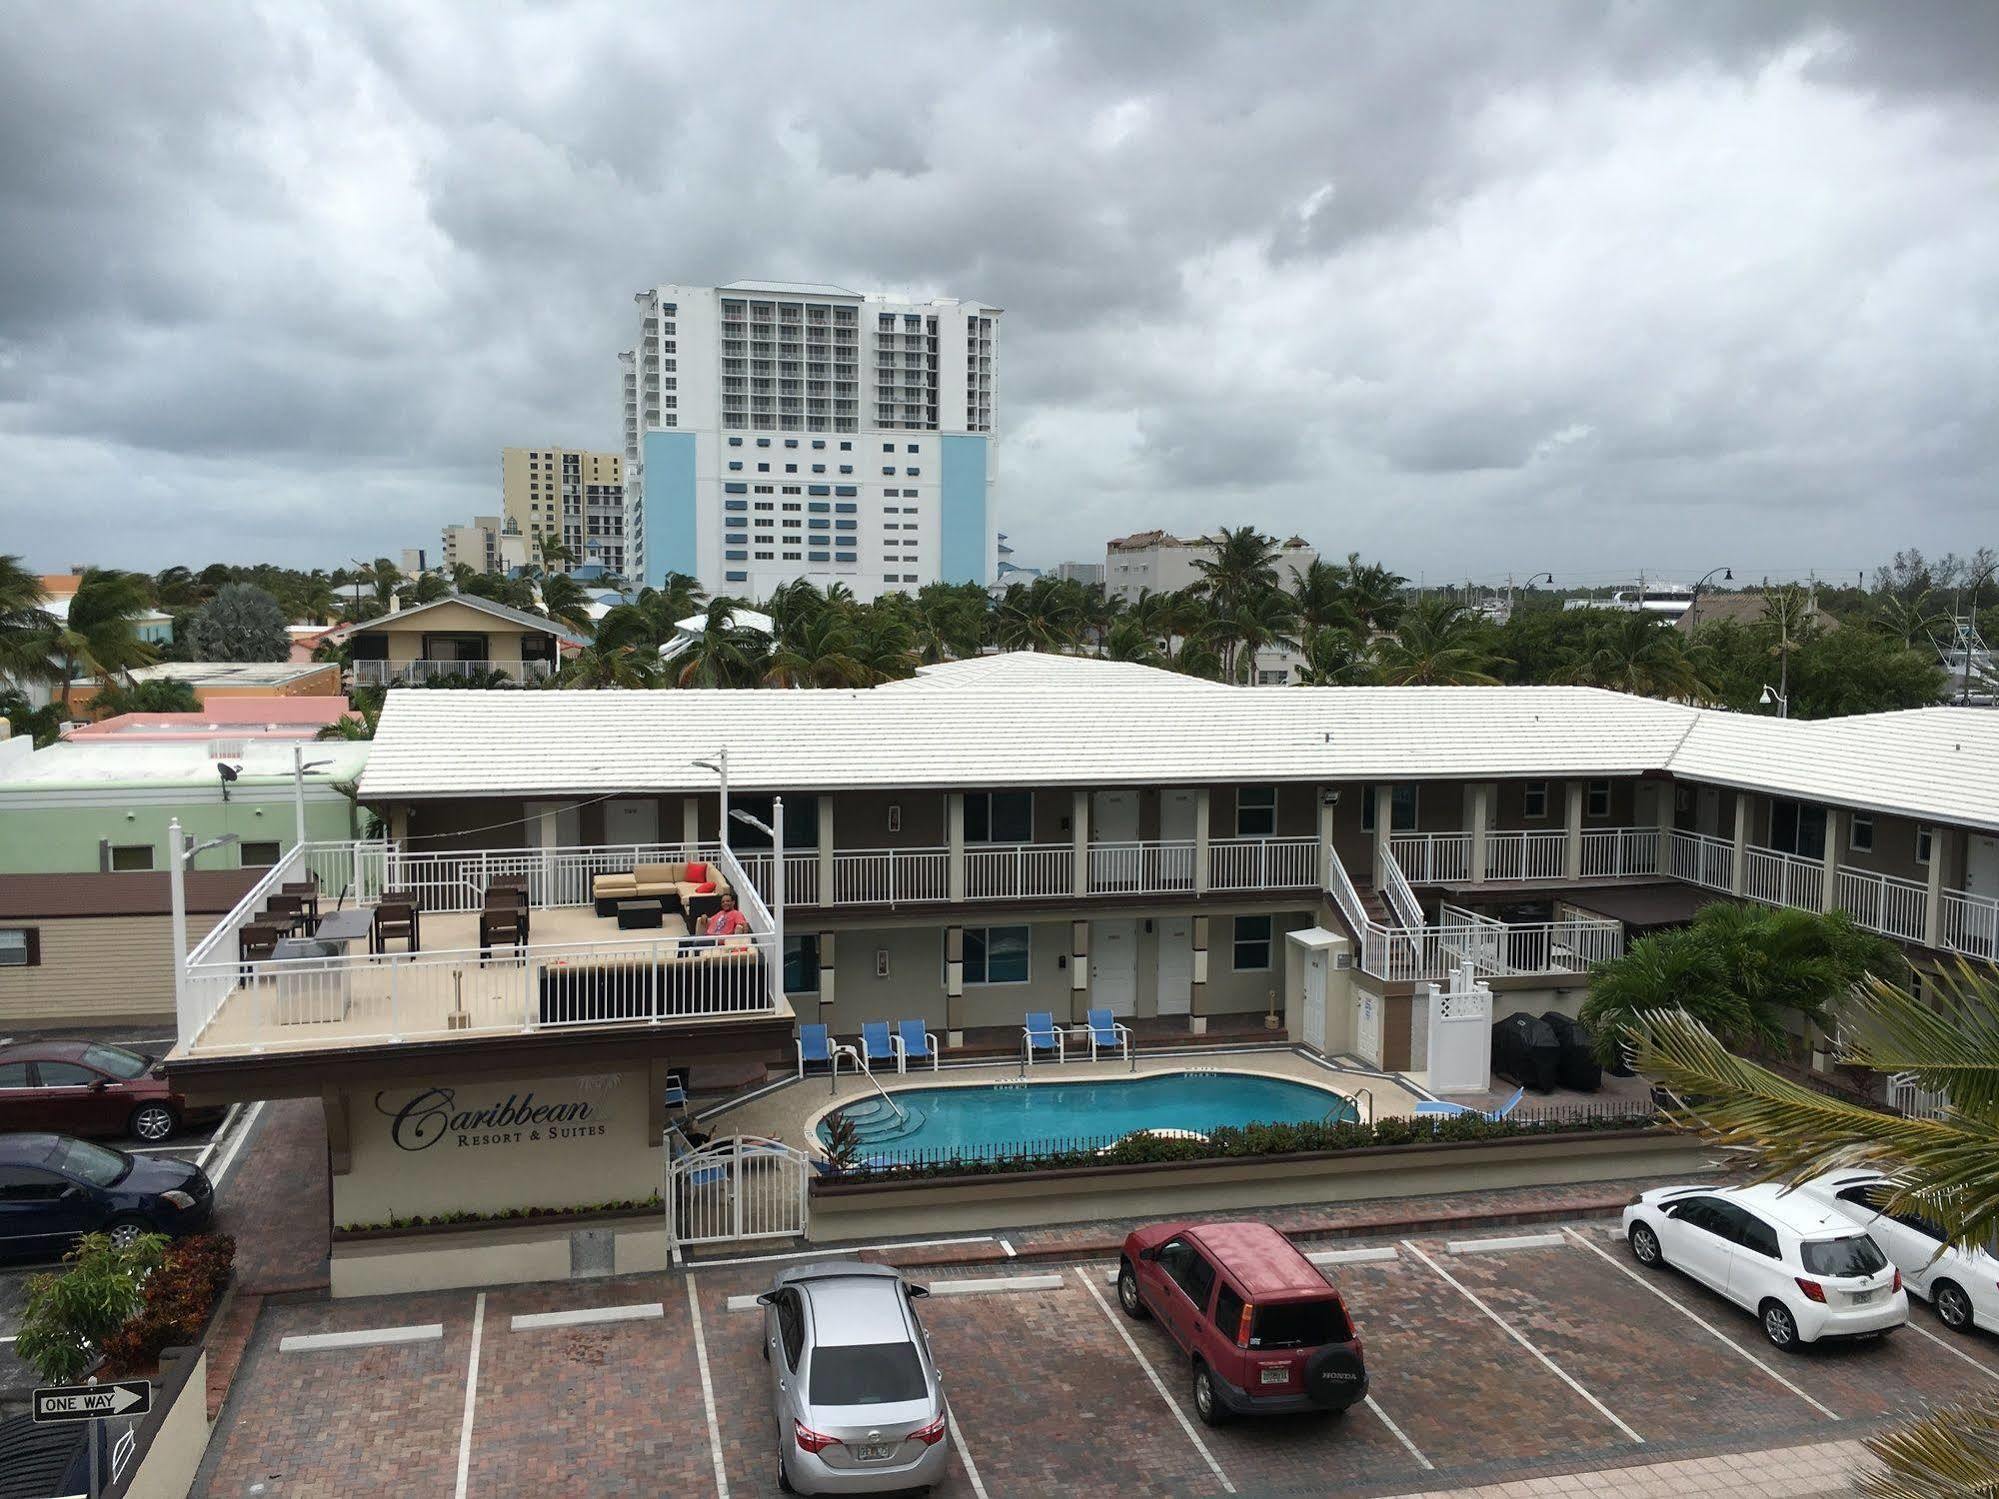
<point x="826" y="887"/>
<point x="1328" y="816"/>
<point x="1572" y="829"/>
<point x="954" y="986"/>
<point x="1837" y="820"/>
<point x="1197" y="1002"/>
<point x="339" y="1141"/>
<point x="1384" y="829"/>
<point x="1738" y="872"/>
<point x="954" y="828"/>
<point x="1079" y="970"/>
<point x="399" y="824"/>
<point x="1483" y="795"/>
<point x="690" y="821"/>
<point x="1079" y="827"/>
<point x="1664" y="813"/>
<point x="1941" y="839"/>
<point x="827" y="994"/>
<point x="1204" y="872"/>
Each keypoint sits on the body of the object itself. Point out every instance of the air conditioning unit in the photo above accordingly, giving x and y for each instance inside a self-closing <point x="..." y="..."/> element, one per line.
<point x="1342" y="960"/>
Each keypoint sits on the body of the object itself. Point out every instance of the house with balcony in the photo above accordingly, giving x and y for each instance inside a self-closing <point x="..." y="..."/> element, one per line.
<point x="462" y="637"/>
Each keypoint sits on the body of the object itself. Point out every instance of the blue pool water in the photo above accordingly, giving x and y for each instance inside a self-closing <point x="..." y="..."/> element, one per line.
<point x="998" y="1115"/>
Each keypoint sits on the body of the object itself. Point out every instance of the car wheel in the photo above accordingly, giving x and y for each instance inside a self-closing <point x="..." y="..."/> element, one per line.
<point x="1953" y="1306"/>
<point x="125" y="1232"/>
<point x="1127" y="1293"/>
<point x="1207" y="1405"/>
<point x="153" y="1123"/>
<point x="1645" y="1246"/>
<point x="1779" y="1326"/>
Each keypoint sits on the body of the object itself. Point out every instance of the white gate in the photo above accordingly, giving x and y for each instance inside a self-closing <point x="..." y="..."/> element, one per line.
<point x="733" y="1189"/>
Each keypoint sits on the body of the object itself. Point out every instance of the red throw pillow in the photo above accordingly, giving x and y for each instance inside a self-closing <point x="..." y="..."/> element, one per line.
<point x="706" y="887"/>
<point x="696" y="872"/>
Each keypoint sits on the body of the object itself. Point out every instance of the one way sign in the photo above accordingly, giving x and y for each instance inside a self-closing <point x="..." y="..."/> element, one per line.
<point x="92" y="1402"/>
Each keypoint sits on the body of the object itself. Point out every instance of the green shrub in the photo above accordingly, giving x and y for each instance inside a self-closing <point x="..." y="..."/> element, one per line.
<point x="179" y="1296"/>
<point x="69" y="1317"/>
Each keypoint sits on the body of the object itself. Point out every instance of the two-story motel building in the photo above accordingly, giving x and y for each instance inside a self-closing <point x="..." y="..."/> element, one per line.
<point x="1022" y="833"/>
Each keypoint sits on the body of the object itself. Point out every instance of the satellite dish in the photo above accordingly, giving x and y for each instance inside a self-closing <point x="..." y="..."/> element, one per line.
<point x="228" y="772"/>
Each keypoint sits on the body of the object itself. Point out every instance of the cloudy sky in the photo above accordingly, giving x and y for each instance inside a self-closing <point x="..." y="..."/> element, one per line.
<point x="1583" y="287"/>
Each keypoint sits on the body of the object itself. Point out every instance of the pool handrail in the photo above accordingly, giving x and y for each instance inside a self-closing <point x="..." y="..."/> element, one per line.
<point x="1358" y="1093"/>
<point x="868" y="1073"/>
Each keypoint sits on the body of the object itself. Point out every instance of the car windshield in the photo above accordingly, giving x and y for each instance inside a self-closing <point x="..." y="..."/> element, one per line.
<point x="1299" y="1324"/>
<point x="82" y="1161"/>
<point x="117" y="1061"/>
<point x="1858" y="1255"/>
<point x="866" y="1374"/>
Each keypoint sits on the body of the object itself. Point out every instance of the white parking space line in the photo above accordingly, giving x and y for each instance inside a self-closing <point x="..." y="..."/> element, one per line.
<point x="1146" y="1364"/>
<point x="1519" y="1337"/>
<point x="834" y="1251"/>
<point x="366" y="1337"/>
<point x="1400" y="1435"/>
<point x="1353" y="1256"/>
<point x="1704" y="1325"/>
<point x="997" y="1285"/>
<point x="215" y="1139"/>
<point x="965" y="1454"/>
<point x="1007" y="1247"/>
<point x="471" y="1395"/>
<point x="153" y="1149"/>
<point x="578" y="1316"/>
<point x="1614" y="1231"/>
<point x="223" y="1167"/>
<point x="1983" y="1368"/>
<point x="1517" y="1241"/>
<point x="707" y="1394"/>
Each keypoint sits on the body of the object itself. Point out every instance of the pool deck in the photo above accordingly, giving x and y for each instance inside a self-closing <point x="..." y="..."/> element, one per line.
<point x="790" y="1112"/>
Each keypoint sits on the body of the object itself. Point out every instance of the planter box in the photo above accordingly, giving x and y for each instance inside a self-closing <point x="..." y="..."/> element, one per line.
<point x="847" y="1211"/>
<point x="556" y="1246"/>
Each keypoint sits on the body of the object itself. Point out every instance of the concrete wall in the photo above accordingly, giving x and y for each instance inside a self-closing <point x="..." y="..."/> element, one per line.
<point x="179" y="1440"/>
<point x="60" y="832"/>
<point x="497" y="1256"/>
<point x="96" y="970"/>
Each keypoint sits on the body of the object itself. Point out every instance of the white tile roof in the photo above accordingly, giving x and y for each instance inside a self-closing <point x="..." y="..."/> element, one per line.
<point x="109" y="763"/>
<point x="1040" y="669"/>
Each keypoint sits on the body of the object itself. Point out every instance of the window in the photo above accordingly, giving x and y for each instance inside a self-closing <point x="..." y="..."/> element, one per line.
<point x="1797" y="828"/>
<point x="801" y="964"/>
<point x="999" y="817"/>
<point x="1757" y="1236"/>
<point x="258" y="855"/>
<point x="1401" y="820"/>
<point x="1597" y="799"/>
<point x="996" y="954"/>
<point x="888" y="471"/>
<point x="1860" y="834"/>
<point x="66" y="1075"/>
<point x="846" y="557"/>
<point x="791" y="468"/>
<point x="763" y="442"/>
<point x="866" y="1374"/>
<point x="20" y="947"/>
<point x="911" y="473"/>
<point x="13" y="1074"/>
<point x="1252" y="944"/>
<point x="888" y="447"/>
<point x="1858" y="1255"/>
<point x="1188" y="1269"/>
<point x="791" y="442"/>
<point x="735" y="463"/>
<point x="847" y="468"/>
<point x="1925" y="841"/>
<point x="818" y="442"/>
<point x="791" y="1328"/>
<point x="736" y="577"/>
<point x="1300" y="1324"/>
<point x="846" y="447"/>
<point x="735" y="442"/>
<point x="1255" y="811"/>
<point x="132" y="856"/>
<point x="735" y="489"/>
<point x="1534" y="800"/>
<point x="1228" y="1312"/>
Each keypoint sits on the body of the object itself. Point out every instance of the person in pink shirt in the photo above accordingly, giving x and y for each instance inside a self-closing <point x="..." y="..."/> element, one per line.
<point x="728" y="922"/>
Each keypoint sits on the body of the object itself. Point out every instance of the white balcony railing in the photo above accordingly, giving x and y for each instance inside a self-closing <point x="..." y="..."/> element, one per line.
<point x="1619" y="853"/>
<point x="1882" y="903"/>
<point x="1434" y="858"/>
<point x="1019" y="871"/>
<point x="1701" y="859"/>
<point x="1525" y="856"/>
<point x="891" y="876"/>
<point x="1779" y="879"/>
<point x="1263" y="863"/>
<point x="1970" y="924"/>
<point x="1160" y="868"/>
<point x="416" y="673"/>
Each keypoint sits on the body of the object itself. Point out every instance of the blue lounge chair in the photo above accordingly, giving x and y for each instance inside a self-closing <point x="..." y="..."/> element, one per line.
<point x="813" y="1046"/>
<point x="1039" y="1035"/>
<point x="913" y="1044"/>
<point x="1107" y="1033"/>
<point x="877" y="1044"/>
<point x="1438" y="1107"/>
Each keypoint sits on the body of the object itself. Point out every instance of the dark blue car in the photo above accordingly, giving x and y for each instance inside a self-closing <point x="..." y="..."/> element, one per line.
<point x="54" y="1188"/>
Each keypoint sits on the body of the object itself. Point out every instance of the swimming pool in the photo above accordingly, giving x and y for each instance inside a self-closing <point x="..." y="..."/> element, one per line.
<point x="982" y="1116"/>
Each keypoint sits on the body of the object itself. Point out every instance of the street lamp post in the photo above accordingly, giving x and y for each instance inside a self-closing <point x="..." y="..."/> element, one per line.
<point x="1694" y="604"/>
<point x="300" y="765"/>
<point x="775" y="829"/>
<point x="1780" y="698"/>
<point x="179" y="852"/>
<point x="720" y="765"/>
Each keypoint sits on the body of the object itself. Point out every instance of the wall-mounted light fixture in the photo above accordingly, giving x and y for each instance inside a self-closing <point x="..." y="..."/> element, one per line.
<point x="881" y="962"/>
<point x="895" y="817"/>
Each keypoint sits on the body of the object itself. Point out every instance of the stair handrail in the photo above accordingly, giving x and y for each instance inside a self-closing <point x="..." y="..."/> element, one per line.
<point x="1400" y="894"/>
<point x="1340" y="885"/>
<point x="869" y="1073"/>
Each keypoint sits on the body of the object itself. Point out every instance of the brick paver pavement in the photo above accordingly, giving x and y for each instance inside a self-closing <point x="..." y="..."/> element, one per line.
<point x="1814" y="1471"/>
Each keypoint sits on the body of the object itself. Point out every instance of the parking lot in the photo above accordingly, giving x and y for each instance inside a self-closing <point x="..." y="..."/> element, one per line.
<point x="1495" y="1358"/>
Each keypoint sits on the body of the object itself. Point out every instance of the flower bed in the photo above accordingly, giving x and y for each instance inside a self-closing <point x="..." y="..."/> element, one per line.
<point x="179" y="1296"/>
<point x="505" y="1218"/>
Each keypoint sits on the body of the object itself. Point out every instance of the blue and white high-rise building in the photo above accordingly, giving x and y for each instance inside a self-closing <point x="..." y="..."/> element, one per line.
<point x="776" y="430"/>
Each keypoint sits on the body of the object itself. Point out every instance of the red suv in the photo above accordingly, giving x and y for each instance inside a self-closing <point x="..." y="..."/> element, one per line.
<point x="1263" y="1330"/>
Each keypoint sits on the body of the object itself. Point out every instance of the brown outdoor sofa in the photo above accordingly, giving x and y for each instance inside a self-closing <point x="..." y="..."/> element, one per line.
<point x="657" y="882"/>
<point x="698" y="977"/>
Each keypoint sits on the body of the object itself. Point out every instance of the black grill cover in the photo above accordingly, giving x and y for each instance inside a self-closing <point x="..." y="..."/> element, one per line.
<point x="1524" y="1049"/>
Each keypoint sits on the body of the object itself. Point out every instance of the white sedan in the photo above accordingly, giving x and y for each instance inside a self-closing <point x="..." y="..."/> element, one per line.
<point x="1962" y="1284"/>
<point x="1805" y="1271"/>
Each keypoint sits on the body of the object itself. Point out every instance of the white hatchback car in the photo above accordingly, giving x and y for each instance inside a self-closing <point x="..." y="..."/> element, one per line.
<point x="1962" y="1284"/>
<point x="1806" y="1271"/>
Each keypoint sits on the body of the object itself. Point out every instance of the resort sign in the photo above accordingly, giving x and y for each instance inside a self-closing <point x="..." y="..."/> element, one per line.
<point x="527" y="1114"/>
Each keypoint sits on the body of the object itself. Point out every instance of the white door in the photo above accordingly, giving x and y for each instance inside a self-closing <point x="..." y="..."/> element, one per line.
<point x="1176" y="825"/>
<point x="1176" y="965"/>
<point x="631" y="820"/>
<point x="1981" y="865"/>
<point x="1114" y="966"/>
<point x="1692" y="1239"/>
<point x="1367" y="1027"/>
<point x="1314" y="1020"/>
<point x="1114" y="822"/>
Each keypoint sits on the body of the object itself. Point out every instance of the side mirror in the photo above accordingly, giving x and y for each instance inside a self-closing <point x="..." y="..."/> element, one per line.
<point x="916" y="1293"/>
<point x="769" y="1298"/>
<point x="1149" y="1255"/>
<point x="98" y="1086"/>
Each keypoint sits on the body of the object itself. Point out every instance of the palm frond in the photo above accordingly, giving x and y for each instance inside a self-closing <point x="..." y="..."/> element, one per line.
<point x="1949" y="1040"/>
<point x="1951" y="1453"/>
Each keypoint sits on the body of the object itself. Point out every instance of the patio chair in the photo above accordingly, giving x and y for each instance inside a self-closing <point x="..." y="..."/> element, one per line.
<point x="508" y="898"/>
<point x="1107" y="1032"/>
<point x="286" y="911"/>
<point x="255" y="942"/>
<point x="1039" y="1035"/>
<point x="394" y="922"/>
<point x="1442" y="1108"/>
<point x="878" y="1045"/>
<point x="914" y="1043"/>
<point x="501" y="925"/>
<point x="307" y="890"/>
<point x="814" y="1046"/>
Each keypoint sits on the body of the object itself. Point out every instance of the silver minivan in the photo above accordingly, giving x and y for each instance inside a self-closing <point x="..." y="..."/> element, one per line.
<point x="858" y="1405"/>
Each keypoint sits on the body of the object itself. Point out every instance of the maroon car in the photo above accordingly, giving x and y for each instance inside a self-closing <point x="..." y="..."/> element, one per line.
<point x="89" y="1088"/>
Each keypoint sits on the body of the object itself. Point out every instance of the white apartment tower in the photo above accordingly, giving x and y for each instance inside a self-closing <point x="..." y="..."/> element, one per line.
<point x="776" y="430"/>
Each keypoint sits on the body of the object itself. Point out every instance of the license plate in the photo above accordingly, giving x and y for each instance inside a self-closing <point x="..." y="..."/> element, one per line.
<point x="876" y="1453"/>
<point x="1277" y="1376"/>
<point x="1861" y="1298"/>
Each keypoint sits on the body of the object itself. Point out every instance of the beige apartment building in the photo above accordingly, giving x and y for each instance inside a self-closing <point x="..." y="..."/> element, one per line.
<point x="488" y="545"/>
<point x="569" y="495"/>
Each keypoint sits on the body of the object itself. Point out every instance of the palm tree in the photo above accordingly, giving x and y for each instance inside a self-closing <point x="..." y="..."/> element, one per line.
<point x="1789" y="612"/>
<point x="564" y="600"/>
<point x="382" y="575"/>
<point x="722" y="653"/>
<point x="27" y="630"/>
<point x="1373" y="595"/>
<point x="604" y="666"/>
<point x="176" y="587"/>
<point x="1242" y="569"/>
<point x="1333" y="658"/>
<point x="1037" y="616"/>
<point x="1265" y="621"/>
<point x="1915" y="622"/>
<point x="1945" y="1168"/>
<point x="1642" y="654"/>
<point x="316" y="599"/>
<point x="551" y="552"/>
<point x="1321" y="593"/>
<point x="1128" y="640"/>
<point x="950" y="621"/>
<point x="1439" y="644"/>
<point x="884" y="646"/>
<point x="99" y="638"/>
<point x="816" y="652"/>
